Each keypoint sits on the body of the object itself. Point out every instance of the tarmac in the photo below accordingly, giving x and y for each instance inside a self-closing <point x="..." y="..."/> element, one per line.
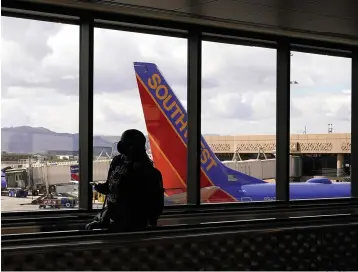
<point x="12" y="204"/>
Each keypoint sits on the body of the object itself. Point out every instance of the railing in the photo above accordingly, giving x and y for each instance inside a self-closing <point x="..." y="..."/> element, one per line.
<point x="322" y="243"/>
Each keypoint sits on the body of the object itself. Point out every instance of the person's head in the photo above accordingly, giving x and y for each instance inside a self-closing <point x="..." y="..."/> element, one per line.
<point x="132" y="144"/>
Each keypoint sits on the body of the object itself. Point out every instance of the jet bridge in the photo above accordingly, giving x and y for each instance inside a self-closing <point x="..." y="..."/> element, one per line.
<point x="265" y="169"/>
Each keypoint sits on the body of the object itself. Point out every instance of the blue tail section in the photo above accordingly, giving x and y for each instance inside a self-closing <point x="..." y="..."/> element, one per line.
<point x="221" y="175"/>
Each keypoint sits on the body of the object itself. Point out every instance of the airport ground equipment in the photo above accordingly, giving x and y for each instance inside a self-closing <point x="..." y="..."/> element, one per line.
<point x="16" y="192"/>
<point x="54" y="201"/>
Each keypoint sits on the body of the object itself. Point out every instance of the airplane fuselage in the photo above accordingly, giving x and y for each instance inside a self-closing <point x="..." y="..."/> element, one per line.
<point x="3" y="180"/>
<point x="298" y="191"/>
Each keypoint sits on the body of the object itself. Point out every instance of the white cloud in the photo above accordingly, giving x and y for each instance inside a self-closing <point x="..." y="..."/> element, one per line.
<point x="114" y="113"/>
<point x="40" y="108"/>
<point x="40" y="82"/>
<point x="64" y="58"/>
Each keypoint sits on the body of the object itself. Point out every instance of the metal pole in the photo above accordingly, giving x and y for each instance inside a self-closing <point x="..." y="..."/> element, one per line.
<point x="354" y="125"/>
<point x="194" y="117"/>
<point x="86" y="113"/>
<point x="283" y="120"/>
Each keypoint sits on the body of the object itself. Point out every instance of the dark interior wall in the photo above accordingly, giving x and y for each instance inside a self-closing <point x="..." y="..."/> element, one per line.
<point x="317" y="164"/>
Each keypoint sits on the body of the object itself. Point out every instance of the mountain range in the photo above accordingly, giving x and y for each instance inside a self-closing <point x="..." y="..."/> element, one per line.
<point x="27" y="139"/>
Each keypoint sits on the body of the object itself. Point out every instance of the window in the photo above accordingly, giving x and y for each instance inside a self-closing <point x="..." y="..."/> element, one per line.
<point x="238" y="123"/>
<point x="39" y="114"/>
<point x="320" y="125"/>
<point x="139" y="83"/>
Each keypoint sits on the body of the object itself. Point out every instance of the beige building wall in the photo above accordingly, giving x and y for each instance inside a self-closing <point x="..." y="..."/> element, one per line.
<point x="335" y="143"/>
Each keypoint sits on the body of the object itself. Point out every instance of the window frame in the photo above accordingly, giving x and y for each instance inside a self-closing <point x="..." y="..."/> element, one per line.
<point x="195" y="35"/>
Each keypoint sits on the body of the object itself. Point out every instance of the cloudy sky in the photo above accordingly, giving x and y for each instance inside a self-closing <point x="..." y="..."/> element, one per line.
<point x="39" y="82"/>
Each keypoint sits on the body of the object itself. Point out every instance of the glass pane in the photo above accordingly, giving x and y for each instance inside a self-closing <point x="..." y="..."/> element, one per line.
<point x="149" y="96"/>
<point x="238" y="123"/>
<point x="39" y="116"/>
<point x="320" y="125"/>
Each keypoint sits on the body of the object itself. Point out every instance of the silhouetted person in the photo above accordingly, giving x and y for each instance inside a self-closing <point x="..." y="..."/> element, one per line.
<point x="134" y="188"/>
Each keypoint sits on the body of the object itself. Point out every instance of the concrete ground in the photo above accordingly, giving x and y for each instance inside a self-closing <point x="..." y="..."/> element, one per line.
<point x="12" y="204"/>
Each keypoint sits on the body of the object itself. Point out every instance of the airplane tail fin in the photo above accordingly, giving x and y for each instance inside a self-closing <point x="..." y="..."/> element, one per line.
<point x="74" y="172"/>
<point x="166" y="122"/>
